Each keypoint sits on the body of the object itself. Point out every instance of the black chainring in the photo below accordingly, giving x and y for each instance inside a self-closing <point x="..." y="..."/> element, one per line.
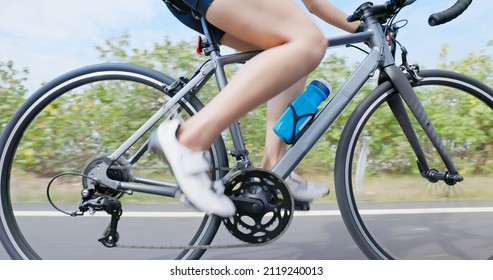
<point x="272" y="209"/>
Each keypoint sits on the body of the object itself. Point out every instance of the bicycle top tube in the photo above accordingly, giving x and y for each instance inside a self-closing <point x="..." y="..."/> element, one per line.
<point x="372" y="16"/>
<point x="374" y="36"/>
<point x="380" y="56"/>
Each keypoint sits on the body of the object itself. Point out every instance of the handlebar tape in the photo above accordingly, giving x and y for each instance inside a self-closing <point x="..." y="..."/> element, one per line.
<point x="449" y="14"/>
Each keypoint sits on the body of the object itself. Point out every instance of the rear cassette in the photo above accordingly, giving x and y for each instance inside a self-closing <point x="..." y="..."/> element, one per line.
<point x="119" y="171"/>
<point x="264" y="205"/>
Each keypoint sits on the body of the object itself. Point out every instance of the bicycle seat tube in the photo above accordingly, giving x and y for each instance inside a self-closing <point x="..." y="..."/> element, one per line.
<point x="240" y="152"/>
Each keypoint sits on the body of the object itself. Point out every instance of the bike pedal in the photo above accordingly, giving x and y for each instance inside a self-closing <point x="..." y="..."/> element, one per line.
<point x="301" y="205"/>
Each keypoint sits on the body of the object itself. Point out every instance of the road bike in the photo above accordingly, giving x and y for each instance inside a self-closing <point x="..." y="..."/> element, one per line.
<point x="410" y="183"/>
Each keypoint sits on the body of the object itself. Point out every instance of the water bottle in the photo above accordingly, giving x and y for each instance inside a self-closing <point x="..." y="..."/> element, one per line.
<point x="302" y="110"/>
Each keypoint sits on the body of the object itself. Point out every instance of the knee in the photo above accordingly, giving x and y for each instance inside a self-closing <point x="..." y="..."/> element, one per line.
<point x="314" y="47"/>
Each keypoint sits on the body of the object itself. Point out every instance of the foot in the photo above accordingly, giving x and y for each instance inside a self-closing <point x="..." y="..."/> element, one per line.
<point x="191" y="172"/>
<point x="305" y="191"/>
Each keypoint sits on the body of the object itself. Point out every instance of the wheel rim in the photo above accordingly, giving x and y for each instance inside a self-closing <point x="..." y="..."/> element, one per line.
<point x="11" y="174"/>
<point x="382" y="213"/>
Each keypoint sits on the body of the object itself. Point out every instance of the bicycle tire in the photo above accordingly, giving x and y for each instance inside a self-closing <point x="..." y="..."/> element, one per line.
<point x="385" y="209"/>
<point x="78" y="92"/>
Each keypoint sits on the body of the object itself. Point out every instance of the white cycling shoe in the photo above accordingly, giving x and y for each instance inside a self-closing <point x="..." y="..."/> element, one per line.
<point x="305" y="191"/>
<point x="191" y="172"/>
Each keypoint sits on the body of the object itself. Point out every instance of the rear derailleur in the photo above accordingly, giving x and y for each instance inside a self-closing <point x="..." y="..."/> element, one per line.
<point x="111" y="205"/>
<point x="91" y="202"/>
<point x="95" y="197"/>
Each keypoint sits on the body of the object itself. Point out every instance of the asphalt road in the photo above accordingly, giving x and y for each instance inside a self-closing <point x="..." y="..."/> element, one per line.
<point x="318" y="234"/>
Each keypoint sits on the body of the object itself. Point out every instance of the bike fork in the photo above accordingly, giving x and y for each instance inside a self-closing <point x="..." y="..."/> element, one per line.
<point x="396" y="104"/>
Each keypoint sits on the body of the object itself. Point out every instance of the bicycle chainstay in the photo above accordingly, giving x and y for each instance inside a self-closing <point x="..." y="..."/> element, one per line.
<point x="258" y="194"/>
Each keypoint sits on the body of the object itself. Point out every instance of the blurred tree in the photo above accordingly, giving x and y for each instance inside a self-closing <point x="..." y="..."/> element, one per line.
<point x="12" y="90"/>
<point x="108" y="113"/>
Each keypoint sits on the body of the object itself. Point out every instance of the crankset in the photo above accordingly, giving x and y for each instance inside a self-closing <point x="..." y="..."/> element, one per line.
<point x="264" y="210"/>
<point x="264" y="205"/>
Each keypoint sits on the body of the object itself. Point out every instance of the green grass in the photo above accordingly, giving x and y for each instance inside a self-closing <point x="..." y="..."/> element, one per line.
<point x="29" y="188"/>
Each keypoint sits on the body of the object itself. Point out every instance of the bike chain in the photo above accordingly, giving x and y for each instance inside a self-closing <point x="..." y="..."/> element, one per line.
<point x="190" y="247"/>
<point x="206" y="247"/>
<point x="197" y="247"/>
<point x="202" y="247"/>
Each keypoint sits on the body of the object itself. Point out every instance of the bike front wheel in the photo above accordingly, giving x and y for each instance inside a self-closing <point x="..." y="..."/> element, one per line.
<point x="70" y="125"/>
<point x="391" y="211"/>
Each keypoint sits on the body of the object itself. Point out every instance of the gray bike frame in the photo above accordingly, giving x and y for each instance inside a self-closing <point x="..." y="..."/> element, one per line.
<point x="379" y="57"/>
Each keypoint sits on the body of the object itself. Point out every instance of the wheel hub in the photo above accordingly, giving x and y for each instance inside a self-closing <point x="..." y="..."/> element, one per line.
<point x="116" y="172"/>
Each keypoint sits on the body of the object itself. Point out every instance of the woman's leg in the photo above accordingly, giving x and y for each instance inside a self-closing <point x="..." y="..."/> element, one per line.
<point x="294" y="47"/>
<point x="275" y="147"/>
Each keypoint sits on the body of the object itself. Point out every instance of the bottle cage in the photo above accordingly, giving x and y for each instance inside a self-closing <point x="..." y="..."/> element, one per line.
<point x="296" y="119"/>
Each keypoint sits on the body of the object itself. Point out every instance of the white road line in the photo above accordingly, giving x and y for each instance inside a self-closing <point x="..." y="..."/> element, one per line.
<point x="311" y="213"/>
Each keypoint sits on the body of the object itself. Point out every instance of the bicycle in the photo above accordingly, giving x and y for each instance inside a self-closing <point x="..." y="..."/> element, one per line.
<point x="265" y="207"/>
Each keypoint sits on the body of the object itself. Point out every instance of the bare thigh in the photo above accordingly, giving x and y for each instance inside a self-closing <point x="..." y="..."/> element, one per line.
<point x="260" y="22"/>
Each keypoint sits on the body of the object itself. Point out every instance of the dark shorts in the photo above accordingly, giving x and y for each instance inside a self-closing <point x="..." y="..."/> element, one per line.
<point x="200" y="6"/>
<point x="188" y="19"/>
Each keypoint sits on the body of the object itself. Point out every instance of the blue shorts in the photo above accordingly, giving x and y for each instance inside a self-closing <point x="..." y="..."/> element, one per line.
<point x="187" y="18"/>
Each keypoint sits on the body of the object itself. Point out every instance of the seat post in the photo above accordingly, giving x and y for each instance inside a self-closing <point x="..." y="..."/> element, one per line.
<point x="208" y="33"/>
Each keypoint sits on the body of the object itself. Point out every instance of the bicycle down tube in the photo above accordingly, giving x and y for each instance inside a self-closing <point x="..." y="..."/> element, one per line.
<point x="381" y="58"/>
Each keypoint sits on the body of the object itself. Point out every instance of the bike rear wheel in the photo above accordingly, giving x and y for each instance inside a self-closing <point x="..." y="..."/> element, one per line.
<point x="70" y="124"/>
<point x="391" y="211"/>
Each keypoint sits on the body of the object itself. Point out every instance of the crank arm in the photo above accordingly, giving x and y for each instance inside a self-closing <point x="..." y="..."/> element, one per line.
<point x="249" y="205"/>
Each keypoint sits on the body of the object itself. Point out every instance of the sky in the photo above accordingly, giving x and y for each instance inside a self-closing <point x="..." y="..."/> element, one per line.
<point x="51" y="37"/>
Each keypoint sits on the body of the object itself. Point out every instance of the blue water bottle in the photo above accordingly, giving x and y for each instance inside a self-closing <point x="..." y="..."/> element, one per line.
<point x="302" y="110"/>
